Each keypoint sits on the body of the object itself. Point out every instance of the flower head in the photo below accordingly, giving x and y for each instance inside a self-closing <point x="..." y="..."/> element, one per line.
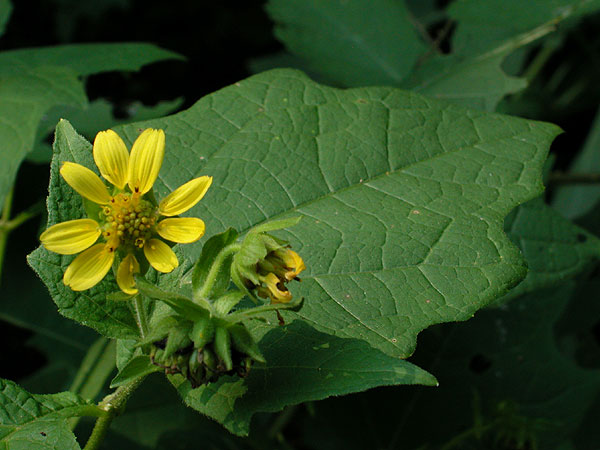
<point x="265" y="264"/>
<point x="129" y="221"/>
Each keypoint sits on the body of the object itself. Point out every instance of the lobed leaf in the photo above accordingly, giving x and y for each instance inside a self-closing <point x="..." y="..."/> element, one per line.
<point x="403" y="197"/>
<point x="403" y="200"/>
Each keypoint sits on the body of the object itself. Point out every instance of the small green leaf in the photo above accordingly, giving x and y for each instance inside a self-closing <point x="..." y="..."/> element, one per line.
<point x="226" y="303"/>
<point x="181" y="305"/>
<point x="223" y="346"/>
<point x="202" y="332"/>
<point x="140" y="366"/>
<point x="126" y="349"/>
<point x="178" y="338"/>
<point x="243" y="341"/>
<point x="210" y="250"/>
<point x="39" y="421"/>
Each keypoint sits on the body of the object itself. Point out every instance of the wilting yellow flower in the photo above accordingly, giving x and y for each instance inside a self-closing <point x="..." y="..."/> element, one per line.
<point x="129" y="222"/>
<point x="279" y="267"/>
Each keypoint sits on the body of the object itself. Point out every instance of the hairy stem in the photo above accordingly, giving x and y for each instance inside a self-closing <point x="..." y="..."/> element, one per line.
<point x="113" y="404"/>
<point x="141" y="317"/>
<point x="217" y="265"/>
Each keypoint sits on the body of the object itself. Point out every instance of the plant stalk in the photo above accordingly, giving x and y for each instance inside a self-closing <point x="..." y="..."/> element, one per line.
<point x="141" y="317"/>
<point x="113" y="404"/>
<point x="211" y="278"/>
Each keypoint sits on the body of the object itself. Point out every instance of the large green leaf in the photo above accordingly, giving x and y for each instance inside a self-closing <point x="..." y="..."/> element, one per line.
<point x="555" y="249"/>
<point x="403" y="198"/>
<point x="35" y="79"/>
<point x="302" y="365"/>
<point x="29" y="422"/>
<point x="347" y="42"/>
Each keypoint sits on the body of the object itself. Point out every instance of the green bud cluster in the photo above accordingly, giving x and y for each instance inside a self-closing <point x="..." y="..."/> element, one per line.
<point x="205" y="337"/>
<point x="204" y="350"/>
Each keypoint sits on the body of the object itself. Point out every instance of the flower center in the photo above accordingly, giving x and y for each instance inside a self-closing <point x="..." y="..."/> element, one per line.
<point x="128" y="221"/>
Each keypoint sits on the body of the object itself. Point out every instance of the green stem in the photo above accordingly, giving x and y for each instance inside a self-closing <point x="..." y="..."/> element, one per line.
<point x="3" y="229"/>
<point x="213" y="273"/>
<point x="141" y="317"/>
<point x="113" y="404"/>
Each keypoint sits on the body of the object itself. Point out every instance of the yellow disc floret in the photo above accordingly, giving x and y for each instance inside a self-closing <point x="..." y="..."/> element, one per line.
<point x="129" y="220"/>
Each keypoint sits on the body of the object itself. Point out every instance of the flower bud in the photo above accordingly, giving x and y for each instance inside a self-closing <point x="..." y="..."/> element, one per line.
<point x="265" y="264"/>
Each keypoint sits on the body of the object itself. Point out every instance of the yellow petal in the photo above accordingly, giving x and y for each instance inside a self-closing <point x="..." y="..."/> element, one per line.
<point x="293" y="261"/>
<point x="183" y="230"/>
<point x="89" y="268"/>
<point x="184" y="197"/>
<point x="145" y="160"/>
<point x="111" y="157"/>
<point x="85" y="182"/>
<point x="160" y="256"/>
<point x="278" y="291"/>
<point x="74" y="236"/>
<point x="125" y="272"/>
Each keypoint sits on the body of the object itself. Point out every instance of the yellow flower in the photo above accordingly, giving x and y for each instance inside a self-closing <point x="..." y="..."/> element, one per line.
<point x="279" y="267"/>
<point x="129" y="220"/>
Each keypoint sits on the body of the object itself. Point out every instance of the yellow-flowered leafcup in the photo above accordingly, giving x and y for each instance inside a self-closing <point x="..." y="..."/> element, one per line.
<point x="130" y="221"/>
<point x="265" y="264"/>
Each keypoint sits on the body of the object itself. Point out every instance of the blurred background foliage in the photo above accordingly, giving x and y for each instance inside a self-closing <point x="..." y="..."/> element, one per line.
<point x="524" y="375"/>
